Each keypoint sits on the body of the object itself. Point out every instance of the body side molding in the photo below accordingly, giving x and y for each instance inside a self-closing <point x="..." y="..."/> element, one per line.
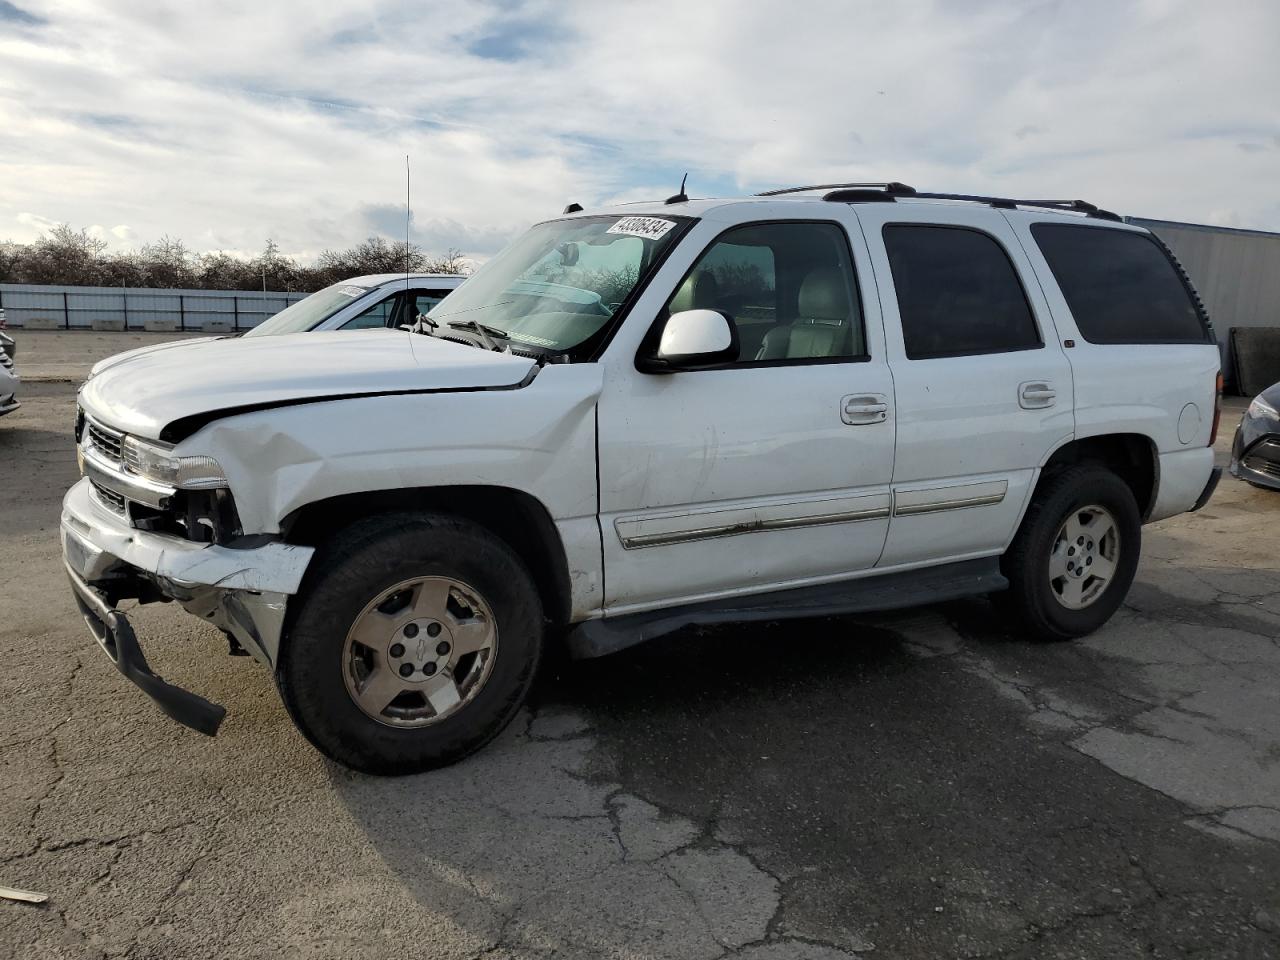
<point x="890" y="591"/>
<point x="908" y="503"/>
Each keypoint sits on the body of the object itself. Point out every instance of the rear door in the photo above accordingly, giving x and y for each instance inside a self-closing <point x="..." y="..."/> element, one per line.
<point x="983" y="389"/>
<point x="1145" y="360"/>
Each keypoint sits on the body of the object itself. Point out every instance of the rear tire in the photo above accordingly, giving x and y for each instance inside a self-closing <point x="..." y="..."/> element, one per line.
<point x="1074" y="557"/>
<point x="413" y="642"/>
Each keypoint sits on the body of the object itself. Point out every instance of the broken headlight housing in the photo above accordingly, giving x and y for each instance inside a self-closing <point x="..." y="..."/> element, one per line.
<point x="202" y="509"/>
<point x="158" y="464"/>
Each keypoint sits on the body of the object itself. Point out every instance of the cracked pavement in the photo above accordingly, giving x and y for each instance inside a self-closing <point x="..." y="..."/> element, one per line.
<point x="914" y="784"/>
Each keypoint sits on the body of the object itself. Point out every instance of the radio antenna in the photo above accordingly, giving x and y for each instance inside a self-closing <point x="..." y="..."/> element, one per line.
<point x="406" y="221"/>
<point x="680" y="197"/>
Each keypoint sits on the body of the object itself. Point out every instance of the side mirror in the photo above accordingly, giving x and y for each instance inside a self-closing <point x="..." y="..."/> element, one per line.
<point x="693" y="340"/>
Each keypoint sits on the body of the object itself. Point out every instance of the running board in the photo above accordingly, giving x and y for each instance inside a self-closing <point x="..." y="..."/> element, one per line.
<point x="889" y="591"/>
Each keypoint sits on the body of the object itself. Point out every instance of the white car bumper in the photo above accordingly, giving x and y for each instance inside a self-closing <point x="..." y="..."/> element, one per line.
<point x="243" y="591"/>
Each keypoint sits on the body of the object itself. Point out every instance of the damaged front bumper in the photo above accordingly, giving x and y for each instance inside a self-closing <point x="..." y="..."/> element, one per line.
<point x="115" y="635"/>
<point x="241" y="589"/>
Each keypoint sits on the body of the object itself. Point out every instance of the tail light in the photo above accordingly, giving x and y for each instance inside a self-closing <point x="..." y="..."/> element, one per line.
<point x="1217" y="409"/>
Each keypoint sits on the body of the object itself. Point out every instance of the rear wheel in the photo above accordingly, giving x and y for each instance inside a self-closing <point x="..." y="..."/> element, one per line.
<point x="1076" y="553"/>
<point x="416" y="638"/>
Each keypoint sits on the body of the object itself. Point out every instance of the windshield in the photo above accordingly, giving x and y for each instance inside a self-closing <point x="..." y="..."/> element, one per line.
<point x="558" y="286"/>
<point x="309" y="311"/>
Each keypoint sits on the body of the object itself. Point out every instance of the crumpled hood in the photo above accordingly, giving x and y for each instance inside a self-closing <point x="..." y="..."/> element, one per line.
<point x="142" y="391"/>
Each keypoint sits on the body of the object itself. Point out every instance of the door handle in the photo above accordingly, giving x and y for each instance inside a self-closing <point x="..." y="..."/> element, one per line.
<point x="1036" y="394"/>
<point x="864" y="408"/>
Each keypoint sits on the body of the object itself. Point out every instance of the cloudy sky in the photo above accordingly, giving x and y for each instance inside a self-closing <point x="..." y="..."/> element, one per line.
<point x="226" y="123"/>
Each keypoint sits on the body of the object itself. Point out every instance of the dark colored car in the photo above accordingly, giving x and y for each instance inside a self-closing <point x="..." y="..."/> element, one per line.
<point x="1255" y="453"/>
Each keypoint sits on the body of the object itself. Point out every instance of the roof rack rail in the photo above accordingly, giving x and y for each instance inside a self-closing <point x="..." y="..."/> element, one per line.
<point x="1010" y="203"/>
<point x="892" y="186"/>
<point x="891" y="190"/>
<point x="859" y="195"/>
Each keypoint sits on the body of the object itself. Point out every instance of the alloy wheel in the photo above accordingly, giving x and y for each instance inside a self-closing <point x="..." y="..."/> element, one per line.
<point x="1084" y="556"/>
<point x="420" y="651"/>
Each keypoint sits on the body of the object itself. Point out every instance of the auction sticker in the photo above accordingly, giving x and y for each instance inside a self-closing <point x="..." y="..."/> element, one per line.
<point x="650" y="228"/>
<point x="352" y="291"/>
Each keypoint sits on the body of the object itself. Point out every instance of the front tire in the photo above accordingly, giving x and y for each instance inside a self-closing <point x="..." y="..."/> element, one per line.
<point x="415" y="640"/>
<point x="1074" y="558"/>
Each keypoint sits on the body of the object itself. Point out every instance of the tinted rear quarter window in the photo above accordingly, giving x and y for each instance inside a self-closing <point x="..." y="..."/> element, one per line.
<point x="958" y="293"/>
<point x="1120" y="285"/>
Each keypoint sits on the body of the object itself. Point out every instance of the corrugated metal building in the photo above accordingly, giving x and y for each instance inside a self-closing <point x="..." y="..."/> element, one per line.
<point x="75" y="308"/>
<point x="1237" y="273"/>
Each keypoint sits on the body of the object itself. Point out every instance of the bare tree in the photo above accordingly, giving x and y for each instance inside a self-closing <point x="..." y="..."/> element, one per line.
<point x="452" y="262"/>
<point x="76" y="257"/>
<point x="63" y="256"/>
<point x="168" y="263"/>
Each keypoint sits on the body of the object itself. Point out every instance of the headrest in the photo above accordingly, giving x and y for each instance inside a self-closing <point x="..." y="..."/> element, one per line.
<point x="700" y="291"/>
<point x="824" y="295"/>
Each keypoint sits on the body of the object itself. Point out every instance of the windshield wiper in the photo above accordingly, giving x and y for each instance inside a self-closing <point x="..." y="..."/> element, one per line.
<point x="422" y="324"/>
<point x="484" y="331"/>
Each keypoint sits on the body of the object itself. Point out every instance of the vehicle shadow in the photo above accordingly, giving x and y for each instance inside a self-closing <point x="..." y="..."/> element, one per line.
<point x="543" y="842"/>
<point x="825" y="781"/>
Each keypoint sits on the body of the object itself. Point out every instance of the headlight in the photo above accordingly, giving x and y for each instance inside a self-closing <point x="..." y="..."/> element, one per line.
<point x="159" y="464"/>
<point x="1263" y="410"/>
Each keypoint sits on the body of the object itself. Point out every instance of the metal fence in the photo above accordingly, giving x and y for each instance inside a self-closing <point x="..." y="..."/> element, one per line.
<point x="116" y="308"/>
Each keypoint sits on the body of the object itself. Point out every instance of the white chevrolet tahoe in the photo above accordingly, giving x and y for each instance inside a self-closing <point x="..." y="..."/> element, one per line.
<point x="9" y="379"/>
<point x="823" y="400"/>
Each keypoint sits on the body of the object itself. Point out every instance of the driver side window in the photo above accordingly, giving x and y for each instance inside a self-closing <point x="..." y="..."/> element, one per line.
<point x="789" y="288"/>
<point x="376" y="316"/>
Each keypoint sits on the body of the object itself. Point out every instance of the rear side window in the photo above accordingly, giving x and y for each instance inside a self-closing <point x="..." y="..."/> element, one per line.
<point x="958" y="293"/>
<point x="1120" y="286"/>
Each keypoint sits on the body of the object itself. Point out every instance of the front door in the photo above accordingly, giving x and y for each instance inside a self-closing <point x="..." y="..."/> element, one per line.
<point x="770" y="472"/>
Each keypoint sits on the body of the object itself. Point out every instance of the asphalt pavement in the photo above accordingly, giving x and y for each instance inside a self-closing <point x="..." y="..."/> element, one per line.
<point x="922" y="784"/>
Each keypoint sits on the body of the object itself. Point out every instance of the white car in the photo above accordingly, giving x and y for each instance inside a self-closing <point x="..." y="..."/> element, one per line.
<point x="640" y="418"/>
<point x="9" y="379"/>
<point x="363" y="303"/>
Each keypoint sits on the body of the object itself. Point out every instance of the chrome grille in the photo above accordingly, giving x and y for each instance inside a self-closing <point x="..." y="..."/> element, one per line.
<point x="130" y="459"/>
<point x="108" y="443"/>
<point x="108" y="498"/>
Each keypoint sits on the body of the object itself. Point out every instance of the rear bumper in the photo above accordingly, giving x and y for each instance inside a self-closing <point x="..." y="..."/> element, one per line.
<point x="1209" y="487"/>
<point x="1182" y="479"/>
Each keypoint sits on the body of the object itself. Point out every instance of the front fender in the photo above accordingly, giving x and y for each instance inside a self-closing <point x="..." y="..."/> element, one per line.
<point x="539" y="439"/>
